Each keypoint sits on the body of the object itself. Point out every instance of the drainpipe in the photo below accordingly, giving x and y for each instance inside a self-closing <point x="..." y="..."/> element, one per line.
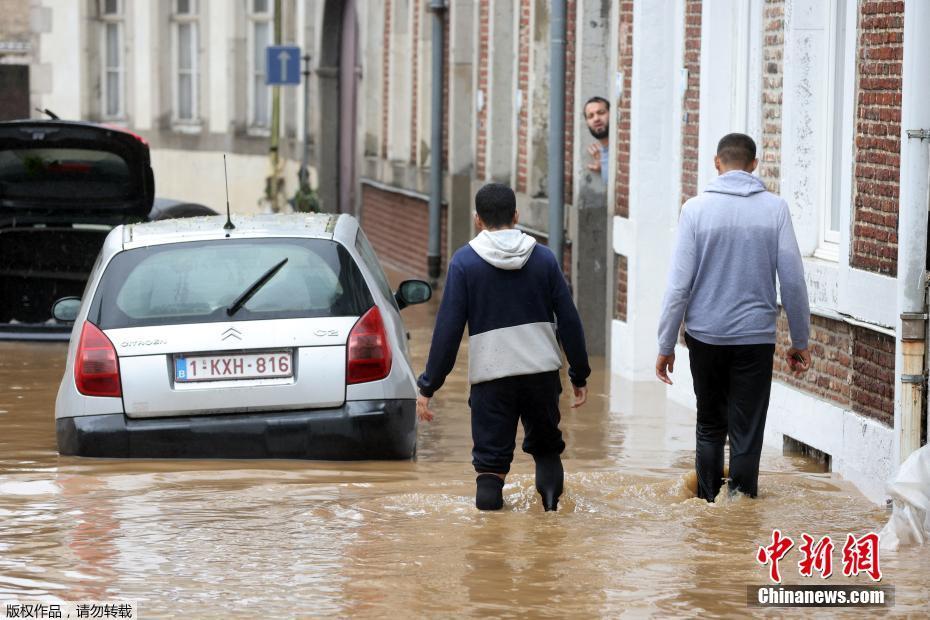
<point x="557" y="128"/>
<point x="433" y="254"/>
<point x="912" y="228"/>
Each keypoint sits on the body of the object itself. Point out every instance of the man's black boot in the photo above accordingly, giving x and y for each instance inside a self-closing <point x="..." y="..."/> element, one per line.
<point x="489" y="495"/>
<point x="549" y="479"/>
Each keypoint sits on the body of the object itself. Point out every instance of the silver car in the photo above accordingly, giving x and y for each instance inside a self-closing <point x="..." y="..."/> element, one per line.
<point x="278" y="338"/>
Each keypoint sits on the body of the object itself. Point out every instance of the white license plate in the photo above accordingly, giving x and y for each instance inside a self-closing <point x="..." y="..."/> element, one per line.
<point x="267" y="365"/>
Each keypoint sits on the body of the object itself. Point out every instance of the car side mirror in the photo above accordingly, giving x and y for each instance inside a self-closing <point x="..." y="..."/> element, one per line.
<point x="412" y="292"/>
<point x="66" y="309"/>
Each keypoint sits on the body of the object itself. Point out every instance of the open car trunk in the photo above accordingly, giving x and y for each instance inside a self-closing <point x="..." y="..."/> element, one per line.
<point x="63" y="186"/>
<point x="39" y="265"/>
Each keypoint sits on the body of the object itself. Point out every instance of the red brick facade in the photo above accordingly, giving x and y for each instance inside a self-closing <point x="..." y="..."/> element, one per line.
<point x="447" y="18"/>
<point x="620" y="300"/>
<point x="853" y="367"/>
<point x="621" y="115"/>
<point x="398" y="227"/>
<point x="386" y="80"/>
<point x="481" y="117"/>
<point x="773" y="49"/>
<point x="569" y="172"/>
<point x="878" y="129"/>
<point x="523" y="83"/>
<point x="415" y="81"/>
<point x="691" y="104"/>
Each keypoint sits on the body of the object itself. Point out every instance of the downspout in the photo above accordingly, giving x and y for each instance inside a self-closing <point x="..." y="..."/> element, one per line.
<point x="556" y="185"/>
<point x="912" y="229"/>
<point x="433" y="253"/>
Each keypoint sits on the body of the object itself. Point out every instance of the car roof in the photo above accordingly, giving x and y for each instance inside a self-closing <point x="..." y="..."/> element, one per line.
<point x="305" y="225"/>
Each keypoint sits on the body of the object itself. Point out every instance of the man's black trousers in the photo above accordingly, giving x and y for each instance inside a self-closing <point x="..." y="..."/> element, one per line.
<point x="497" y="406"/>
<point x="732" y="384"/>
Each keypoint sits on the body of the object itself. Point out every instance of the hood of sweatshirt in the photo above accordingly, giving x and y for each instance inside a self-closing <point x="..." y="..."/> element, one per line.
<point x="505" y="249"/>
<point x="736" y="183"/>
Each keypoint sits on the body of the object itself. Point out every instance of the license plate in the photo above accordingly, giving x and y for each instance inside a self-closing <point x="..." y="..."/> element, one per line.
<point x="267" y="365"/>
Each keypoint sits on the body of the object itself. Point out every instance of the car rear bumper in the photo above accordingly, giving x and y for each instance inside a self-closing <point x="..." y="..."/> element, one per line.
<point x="384" y="429"/>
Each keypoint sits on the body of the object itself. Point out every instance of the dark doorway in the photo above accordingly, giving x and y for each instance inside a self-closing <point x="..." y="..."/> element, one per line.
<point x="338" y="83"/>
<point x="14" y="92"/>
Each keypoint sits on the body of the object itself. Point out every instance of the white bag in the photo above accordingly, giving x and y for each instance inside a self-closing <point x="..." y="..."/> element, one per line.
<point x="910" y="493"/>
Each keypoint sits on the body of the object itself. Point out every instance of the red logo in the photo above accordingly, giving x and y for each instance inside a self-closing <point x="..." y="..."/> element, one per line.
<point x="817" y="557"/>
<point x="861" y="556"/>
<point x="774" y="552"/>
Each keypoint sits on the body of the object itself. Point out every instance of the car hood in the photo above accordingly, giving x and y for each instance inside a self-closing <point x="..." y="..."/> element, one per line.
<point x="60" y="171"/>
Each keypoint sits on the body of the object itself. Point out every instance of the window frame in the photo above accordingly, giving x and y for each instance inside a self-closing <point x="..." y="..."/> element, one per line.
<point x="112" y="19"/>
<point x="191" y="18"/>
<point x="837" y="112"/>
<point x="253" y="18"/>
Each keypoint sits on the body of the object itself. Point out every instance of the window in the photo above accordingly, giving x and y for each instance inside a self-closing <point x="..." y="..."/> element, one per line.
<point x="194" y="282"/>
<point x="260" y="37"/>
<point x="112" y="69"/>
<point x="836" y="111"/>
<point x="186" y="43"/>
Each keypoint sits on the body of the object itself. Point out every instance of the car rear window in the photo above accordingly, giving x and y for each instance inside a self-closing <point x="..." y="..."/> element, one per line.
<point x="63" y="173"/>
<point x="196" y="282"/>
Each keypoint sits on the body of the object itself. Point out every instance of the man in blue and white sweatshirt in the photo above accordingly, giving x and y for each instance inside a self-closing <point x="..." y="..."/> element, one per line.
<point x="733" y="239"/>
<point x="512" y="295"/>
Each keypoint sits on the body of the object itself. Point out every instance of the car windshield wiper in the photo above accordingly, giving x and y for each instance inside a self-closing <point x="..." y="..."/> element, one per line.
<point x="249" y="292"/>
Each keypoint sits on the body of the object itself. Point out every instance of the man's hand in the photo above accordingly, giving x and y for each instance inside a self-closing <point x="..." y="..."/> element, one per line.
<point x="664" y="365"/>
<point x="424" y="413"/>
<point x="799" y="360"/>
<point x="595" y="152"/>
<point x="581" y="396"/>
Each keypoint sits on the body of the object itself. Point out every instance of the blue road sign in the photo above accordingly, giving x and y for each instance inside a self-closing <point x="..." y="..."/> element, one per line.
<point x="282" y="65"/>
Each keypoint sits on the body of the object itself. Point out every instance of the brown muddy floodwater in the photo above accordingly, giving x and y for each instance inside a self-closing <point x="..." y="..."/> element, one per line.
<point x="216" y="539"/>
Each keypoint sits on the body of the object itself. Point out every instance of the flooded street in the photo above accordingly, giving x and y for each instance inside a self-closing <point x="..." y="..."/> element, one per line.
<point x="206" y="539"/>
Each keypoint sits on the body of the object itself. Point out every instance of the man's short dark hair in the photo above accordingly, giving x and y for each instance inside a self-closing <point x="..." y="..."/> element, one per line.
<point x="496" y="205"/>
<point x="595" y="99"/>
<point x="736" y="148"/>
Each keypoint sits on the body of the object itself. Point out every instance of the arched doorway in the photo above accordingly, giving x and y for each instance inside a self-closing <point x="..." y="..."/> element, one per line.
<point x="338" y="83"/>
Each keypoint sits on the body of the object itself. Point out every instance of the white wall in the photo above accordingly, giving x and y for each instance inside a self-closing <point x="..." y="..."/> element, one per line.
<point x="655" y="161"/>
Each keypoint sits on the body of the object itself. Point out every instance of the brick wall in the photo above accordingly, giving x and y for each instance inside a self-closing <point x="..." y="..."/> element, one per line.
<point x="621" y="113"/>
<point x="852" y="367"/>
<point x="571" y="10"/>
<point x="878" y="128"/>
<point x="415" y="82"/>
<point x="691" y="105"/>
<point x="773" y="48"/>
<point x="446" y="74"/>
<point x="481" y="118"/>
<point x="386" y="79"/>
<point x="398" y="227"/>
<point x="523" y="83"/>
<point x="620" y="297"/>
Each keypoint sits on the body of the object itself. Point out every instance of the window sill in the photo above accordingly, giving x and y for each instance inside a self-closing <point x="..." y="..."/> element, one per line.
<point x="187" y="127"/>
<point x="258" y="132"/>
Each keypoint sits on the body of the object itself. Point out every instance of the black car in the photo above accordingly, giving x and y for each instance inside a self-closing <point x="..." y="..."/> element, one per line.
<point x="63" y="186"/>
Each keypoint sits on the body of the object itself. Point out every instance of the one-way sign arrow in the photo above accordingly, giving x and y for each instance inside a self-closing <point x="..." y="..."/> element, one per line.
<point x="282" y="65"/>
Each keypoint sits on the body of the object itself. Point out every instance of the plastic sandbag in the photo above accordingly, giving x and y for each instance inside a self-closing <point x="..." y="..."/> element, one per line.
<point x="910" y="494"/>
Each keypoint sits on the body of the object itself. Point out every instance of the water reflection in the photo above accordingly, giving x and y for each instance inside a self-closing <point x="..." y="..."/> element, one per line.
<point x="374" y="539"/>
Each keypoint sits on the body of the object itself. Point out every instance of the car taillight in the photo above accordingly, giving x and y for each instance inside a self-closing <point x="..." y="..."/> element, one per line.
<point x="369" y="354"/>
<point x="96" y="368"/>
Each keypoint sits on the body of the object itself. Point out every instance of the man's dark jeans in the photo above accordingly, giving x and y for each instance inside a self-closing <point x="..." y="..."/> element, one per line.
<point x="496" y="408"/>
<point x="732" y="384"/>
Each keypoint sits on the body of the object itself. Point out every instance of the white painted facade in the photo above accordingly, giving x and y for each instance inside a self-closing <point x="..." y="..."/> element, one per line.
<point x="186" y="155"/>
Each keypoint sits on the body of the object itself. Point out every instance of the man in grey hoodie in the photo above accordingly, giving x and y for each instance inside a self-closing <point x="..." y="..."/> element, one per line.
<point x="512" y="295"/>
<point x="733" y="239"/>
